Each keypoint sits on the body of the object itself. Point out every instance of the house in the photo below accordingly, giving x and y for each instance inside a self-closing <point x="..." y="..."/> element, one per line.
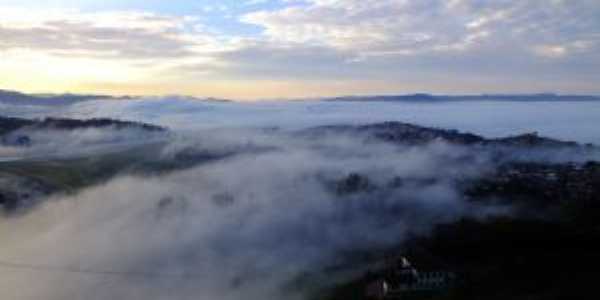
<point x="402" y="279"/>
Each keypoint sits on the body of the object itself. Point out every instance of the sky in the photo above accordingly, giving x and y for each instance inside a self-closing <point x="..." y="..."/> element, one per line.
<point x="257" y="49"/>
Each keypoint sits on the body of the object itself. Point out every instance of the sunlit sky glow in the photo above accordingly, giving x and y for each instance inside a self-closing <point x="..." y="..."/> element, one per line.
<point x="248" y="49"/>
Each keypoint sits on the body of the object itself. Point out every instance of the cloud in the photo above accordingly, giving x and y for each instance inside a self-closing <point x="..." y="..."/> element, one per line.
<point x="399" y="27"/>
<point x="559" y="119"/>
<point x="399" y="41"/>
<point x="245" y="226"/>
<point x="392" y="41"/>
<point x="255" y="2"/>
<point x="251" y="224"/>
<point x="123" y="35"/>
<point x="66" y="49"/>
<point x="77" y="143"/>
<point x="270" y="205"/>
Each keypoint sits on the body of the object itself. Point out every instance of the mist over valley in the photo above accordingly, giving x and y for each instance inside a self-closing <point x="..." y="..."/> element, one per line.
<point x="292" y="200"/>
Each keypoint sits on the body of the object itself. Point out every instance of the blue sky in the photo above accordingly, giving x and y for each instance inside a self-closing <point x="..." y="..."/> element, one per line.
<point x="219" y="15"/>
<point x="300" y="48"/>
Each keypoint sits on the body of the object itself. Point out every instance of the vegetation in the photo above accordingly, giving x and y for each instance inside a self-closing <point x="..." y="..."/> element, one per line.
<point x="549" y="254"/>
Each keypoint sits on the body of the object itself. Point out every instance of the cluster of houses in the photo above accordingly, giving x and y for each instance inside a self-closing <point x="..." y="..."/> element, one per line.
<point x="402" y="280"/>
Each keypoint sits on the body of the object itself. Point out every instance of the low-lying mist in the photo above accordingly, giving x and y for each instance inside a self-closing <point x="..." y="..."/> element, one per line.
<point x="61" y="143"/>
<point x="243" y="226"/>
<point x="567" y="120"/>
<point x="254" y="206"/>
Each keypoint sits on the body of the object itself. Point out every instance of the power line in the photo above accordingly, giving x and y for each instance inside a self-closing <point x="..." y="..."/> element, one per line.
<point x="75" y="270"/>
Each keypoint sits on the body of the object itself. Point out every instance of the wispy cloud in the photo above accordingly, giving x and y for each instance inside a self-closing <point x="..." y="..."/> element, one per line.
<point x="413" y="27"/>
<point x="124" y="35"/>
<point x="387" y="40"/>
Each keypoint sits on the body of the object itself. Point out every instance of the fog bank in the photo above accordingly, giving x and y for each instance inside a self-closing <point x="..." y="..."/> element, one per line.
<point x="565" y="120"/>
<point x="242" y="227"/>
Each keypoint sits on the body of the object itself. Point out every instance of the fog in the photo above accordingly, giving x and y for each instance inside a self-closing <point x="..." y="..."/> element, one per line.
<point x="242" y="227"/>
<point x="575" y="120"/>
<point x="253" y="223"/>
<point x="57" y="143"/>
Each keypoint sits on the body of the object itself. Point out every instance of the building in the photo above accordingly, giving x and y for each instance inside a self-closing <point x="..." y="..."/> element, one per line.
<point x="402" y="279"/>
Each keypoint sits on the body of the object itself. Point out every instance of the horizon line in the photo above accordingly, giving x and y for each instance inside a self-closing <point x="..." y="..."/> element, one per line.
<point x="340" y="97"/>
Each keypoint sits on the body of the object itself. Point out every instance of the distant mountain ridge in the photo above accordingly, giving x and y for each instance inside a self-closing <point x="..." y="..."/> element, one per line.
<point x="423" y="97"/>
<point x="15" y="97"/>
<point x="8" y="125"/>
<point x="409" y="134"/>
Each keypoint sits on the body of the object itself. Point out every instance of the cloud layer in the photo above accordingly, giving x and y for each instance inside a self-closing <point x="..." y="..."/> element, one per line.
<point x="269" y="207"/>
<point x="407" y="44"/>
<point x="558" y="119"/>
<point x="244" y="227"/>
